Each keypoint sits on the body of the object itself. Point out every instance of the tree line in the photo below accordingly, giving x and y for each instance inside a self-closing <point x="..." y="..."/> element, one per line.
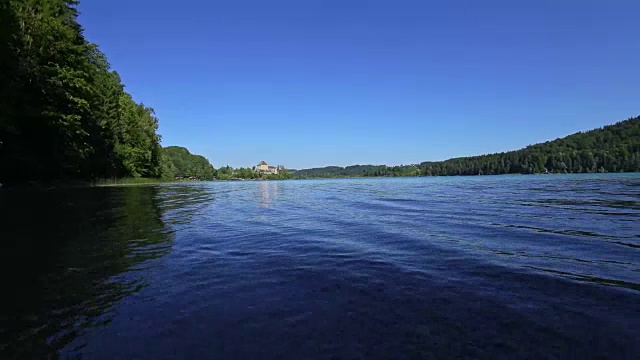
<point x="177" y="163"/>
<point x="613" y="148"/>
<point x="64" y="113"/>
<point x="248" y="174"/>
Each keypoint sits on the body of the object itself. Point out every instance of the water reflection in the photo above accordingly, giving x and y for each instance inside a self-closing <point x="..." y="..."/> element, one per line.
<point x="68" y="258"/>
<point x="267" y="192"/>
<point x="372" y="268"/>
<point x="179" y="203"/>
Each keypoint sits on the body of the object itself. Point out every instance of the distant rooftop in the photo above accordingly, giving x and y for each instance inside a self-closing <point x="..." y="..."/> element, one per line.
<point x="262" y="163"/>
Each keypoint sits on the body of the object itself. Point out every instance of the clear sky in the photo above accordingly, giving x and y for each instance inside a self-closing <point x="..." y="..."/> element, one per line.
<point x="309" y="83"/>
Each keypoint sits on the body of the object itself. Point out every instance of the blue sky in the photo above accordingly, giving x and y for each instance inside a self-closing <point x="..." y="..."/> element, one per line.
<point x="309" y="83"/>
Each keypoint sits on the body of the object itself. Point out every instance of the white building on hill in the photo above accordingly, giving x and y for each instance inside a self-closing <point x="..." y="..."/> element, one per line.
<point x="265" y="168"/>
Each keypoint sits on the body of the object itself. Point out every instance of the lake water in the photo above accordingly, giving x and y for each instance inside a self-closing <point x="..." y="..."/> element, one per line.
<point x="449" y="267"/>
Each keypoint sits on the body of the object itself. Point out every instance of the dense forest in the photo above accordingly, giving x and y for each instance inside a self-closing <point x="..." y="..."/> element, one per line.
<point x="178" y="162"/>
<point x="613" y="148"/>
<point x="64" y="113"/>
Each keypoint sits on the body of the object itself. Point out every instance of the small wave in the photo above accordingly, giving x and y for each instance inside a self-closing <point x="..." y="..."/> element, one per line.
<point x="590" y="279"/>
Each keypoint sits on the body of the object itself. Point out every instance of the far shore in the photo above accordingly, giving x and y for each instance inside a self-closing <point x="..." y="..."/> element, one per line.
<point x="75" y="184"/>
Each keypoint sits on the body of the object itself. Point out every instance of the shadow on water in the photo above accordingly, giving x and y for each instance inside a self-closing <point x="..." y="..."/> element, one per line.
<point x="319" y="269"/>
<point x="68" y="258"/>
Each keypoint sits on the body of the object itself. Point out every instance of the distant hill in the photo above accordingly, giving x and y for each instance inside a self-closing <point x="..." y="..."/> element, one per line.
<point x="613" y="148"/>
<point x="355" y="171"/>
<point x="177" y="161"/>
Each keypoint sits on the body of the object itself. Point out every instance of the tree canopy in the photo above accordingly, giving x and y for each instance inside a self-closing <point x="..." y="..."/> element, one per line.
<point x="64" y="113"/>
<point x="613" y="148"/>
<point x="178" y="162"/>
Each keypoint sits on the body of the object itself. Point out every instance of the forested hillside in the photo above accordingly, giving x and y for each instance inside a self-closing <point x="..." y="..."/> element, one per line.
<point x="179" y="162"/>
<point x="613" y="148"/>
<point x="359" y="170"/>
<point x="64" y="113"/>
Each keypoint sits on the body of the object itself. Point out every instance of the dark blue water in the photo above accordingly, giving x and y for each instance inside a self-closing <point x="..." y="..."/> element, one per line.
<point x="473" y="267"/>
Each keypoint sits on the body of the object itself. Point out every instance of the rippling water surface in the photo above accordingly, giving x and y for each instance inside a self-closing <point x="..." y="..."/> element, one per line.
<point x="476" y="267"/>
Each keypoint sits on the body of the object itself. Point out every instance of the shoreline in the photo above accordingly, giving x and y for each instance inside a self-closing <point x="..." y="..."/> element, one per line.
<point x="78" y="184"/>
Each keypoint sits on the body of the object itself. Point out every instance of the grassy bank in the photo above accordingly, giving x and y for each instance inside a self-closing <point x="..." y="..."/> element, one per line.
<point x="127" y="181"/>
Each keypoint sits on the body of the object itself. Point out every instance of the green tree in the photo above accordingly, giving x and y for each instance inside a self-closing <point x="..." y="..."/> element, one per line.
<point x="177" y="161"/>
<point x="609" y="149"/>
<point x="63" y="112"/>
